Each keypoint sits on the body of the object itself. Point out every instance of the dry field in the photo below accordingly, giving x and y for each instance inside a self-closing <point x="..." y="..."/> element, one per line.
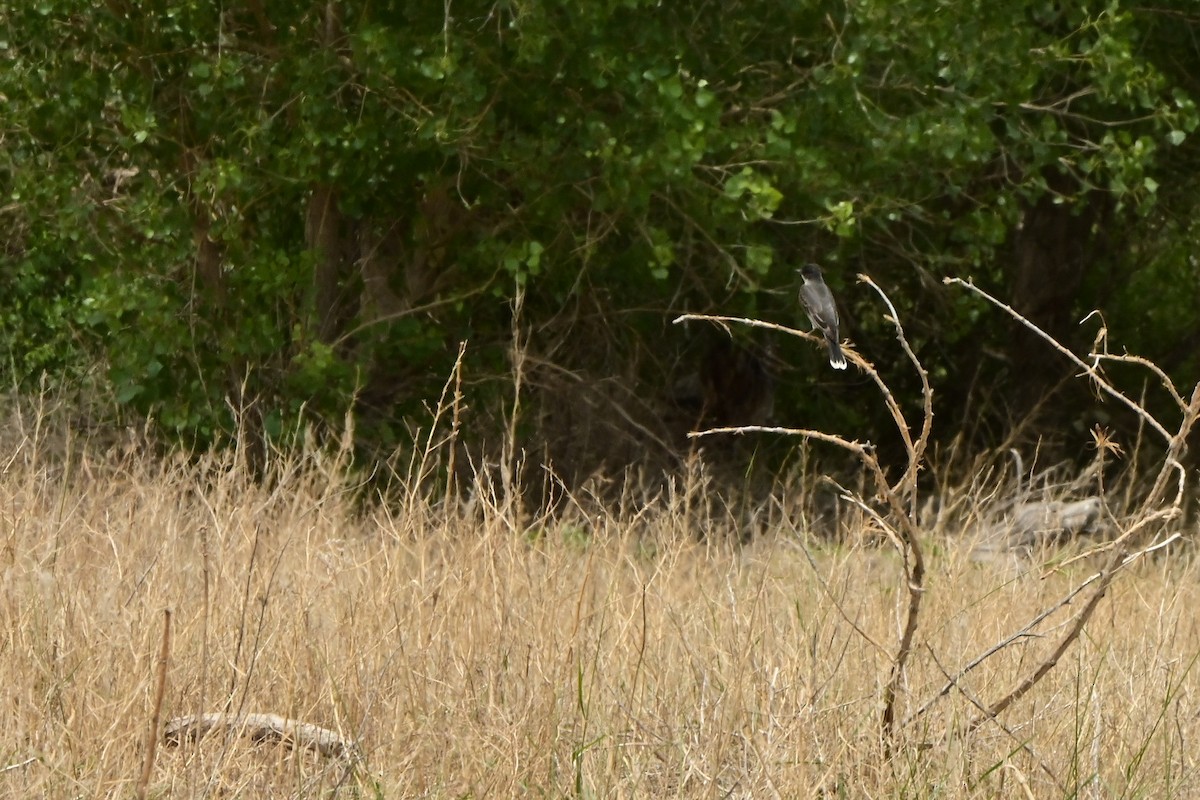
<point x="471" y="658"/>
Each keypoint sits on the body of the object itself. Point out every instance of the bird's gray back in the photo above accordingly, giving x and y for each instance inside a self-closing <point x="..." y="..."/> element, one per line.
<point x="819" y="301"/>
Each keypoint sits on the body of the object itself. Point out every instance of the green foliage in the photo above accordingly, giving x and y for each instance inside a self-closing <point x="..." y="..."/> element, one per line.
<point x="163" y="172"/>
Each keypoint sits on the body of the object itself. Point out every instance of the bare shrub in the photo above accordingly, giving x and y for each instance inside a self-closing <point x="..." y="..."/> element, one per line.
<point x="897" y="513"/>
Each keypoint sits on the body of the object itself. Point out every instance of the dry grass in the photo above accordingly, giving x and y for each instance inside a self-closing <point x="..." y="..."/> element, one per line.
<point x="598" y="658"/>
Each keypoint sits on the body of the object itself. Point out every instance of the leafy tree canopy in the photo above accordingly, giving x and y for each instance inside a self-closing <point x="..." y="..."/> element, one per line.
<point x="307" y="206"/>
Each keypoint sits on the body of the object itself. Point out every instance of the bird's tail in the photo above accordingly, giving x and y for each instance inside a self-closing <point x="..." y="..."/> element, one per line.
<point x="837" y="359"/>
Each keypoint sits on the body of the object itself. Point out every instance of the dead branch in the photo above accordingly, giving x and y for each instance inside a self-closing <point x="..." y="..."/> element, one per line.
<point x="156" y="712"/>
<point x="997" y="708"/>
<point x="752" y="323"/>
<point x="900" y="498"/>
<point x="916" y="449"/>
<point x="1175" y="450"/>
<point x="1100" y="352"/>
<point x="1176" y="443"/>
<point x="1088" y="370"/>
<point x="889" y="400"/>
<point x="1148" y="364"/>
<point x="263" y="728"/>
<point x="1029" y="629"/>
<point x="1147" y="512"/>
<point x="1018" y="740"/>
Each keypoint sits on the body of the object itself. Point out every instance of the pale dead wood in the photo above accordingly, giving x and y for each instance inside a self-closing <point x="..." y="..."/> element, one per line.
<point x="1081" y="619"/>
<point x="263" y="728"/>
<point x="1046" y="521"/>
<point x="901" y="500"/>
<point x="749" y="322"/>
<point x="1175" y="450"/>
<point x="1148" y="364"/>
<point x="1162" y="515"/>
<point x="1019" y="741"/>
<point x="888" y="398"/>
<point x="1176" y="443"/>
<point x="1103" y="580"/>
<point x="19" y="764"/>
<point x="916" y="448"/>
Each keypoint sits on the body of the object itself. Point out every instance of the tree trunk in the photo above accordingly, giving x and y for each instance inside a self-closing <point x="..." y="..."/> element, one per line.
<point x="325" y="237"/>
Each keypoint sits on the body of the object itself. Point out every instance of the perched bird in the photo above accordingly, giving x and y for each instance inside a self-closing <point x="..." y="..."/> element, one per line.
<point x="822" y="312"/>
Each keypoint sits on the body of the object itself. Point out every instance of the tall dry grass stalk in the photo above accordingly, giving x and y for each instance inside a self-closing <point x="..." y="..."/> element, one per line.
<point x="595" y="656"/>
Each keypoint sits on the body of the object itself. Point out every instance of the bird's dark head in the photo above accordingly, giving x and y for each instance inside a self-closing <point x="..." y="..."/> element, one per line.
<point x="810" y="272"/>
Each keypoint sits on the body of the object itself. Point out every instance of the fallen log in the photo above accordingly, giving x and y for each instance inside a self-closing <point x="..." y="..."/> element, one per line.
<point x="263" y="728"/>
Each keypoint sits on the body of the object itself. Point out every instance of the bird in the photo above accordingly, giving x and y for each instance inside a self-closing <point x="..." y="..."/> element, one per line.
<point x="822" y="312"/>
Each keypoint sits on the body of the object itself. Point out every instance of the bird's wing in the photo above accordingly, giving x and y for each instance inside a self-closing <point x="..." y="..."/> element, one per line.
<point x="818" y="300"/>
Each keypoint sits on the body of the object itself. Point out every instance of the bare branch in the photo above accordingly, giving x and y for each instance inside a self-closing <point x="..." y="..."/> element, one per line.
<point x="1105" y="580"/>
<point x="1019" y="740"/>
<point x="864" y="365"/>
<point x="1028" y="630"/>
<point x="1148" y="364"/>
<point x="753" y="323"/>
<point x="1090" y="371"/>
<point x="901" y="498"/>
<point x="916" y="449"/>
